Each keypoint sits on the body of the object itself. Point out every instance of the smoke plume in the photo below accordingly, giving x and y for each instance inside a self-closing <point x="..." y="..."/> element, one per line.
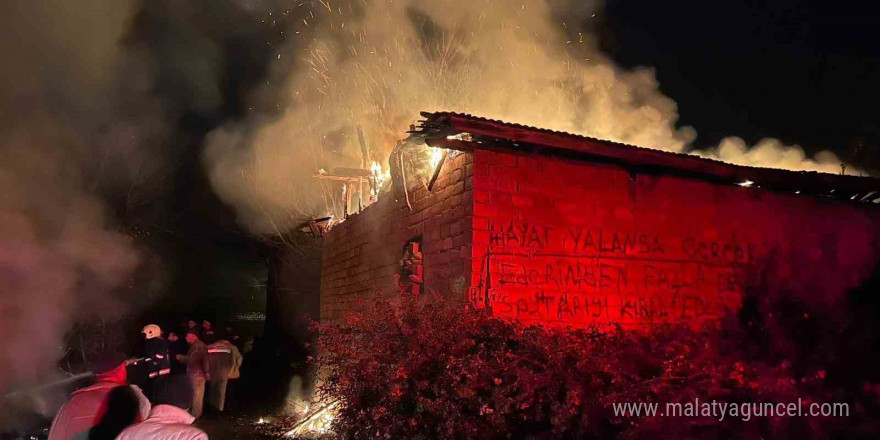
<point x="60" y="258"/>
<point x="772" y="153"/>
<point x="376" y="64"/>
<point x="91" y="95"/>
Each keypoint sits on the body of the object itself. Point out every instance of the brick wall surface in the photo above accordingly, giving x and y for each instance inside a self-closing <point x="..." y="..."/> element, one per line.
<point x="362" y="254"/>
<point x="576" y="243"/>
<point x="559" y="242"/>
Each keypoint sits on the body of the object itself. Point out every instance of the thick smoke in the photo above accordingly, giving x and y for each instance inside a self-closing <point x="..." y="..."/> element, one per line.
<point x="91" y="95"/>
<point x="772" y="153"/>
<point x="59" y="261"/>
<point x="60" y="258"/>
<point x="378" y="63"/>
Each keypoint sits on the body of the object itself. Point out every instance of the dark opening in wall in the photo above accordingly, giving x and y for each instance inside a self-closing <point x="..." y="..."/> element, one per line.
<point x="410" y="276"/>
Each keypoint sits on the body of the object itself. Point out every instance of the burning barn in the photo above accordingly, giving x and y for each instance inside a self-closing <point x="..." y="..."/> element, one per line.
<point x="559" y="229"/>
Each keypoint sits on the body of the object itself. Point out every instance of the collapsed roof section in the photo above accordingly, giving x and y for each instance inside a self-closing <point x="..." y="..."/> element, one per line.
<point x="466" y="132"/>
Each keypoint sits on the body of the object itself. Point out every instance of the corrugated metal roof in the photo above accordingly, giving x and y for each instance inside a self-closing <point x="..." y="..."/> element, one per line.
<point x="493" y="134"/>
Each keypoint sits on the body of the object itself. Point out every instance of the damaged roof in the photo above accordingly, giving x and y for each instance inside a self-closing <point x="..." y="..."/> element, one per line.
<point x="467" y="132"/>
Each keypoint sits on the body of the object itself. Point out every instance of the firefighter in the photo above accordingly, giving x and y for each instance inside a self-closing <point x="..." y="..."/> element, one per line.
<point x="224" y="361"/>
<point x="158" y="361"/>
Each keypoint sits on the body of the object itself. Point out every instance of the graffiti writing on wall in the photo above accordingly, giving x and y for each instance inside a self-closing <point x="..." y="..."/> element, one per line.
<point x="578" y="275"/>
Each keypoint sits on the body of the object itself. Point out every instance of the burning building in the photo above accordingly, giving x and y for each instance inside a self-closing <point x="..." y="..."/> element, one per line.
<point x="559" y="229"/>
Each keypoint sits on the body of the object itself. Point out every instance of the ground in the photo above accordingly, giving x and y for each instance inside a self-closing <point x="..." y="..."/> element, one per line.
<point x="270" y="375"/>
<point x="248" y="426"/>
<point x="238" y="426"/>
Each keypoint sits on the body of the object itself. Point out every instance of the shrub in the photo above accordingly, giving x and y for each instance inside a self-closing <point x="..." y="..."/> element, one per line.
<point x="439" y="371"/>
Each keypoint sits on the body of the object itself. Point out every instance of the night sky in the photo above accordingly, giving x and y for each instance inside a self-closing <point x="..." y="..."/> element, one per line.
<point x="804" y="72"/>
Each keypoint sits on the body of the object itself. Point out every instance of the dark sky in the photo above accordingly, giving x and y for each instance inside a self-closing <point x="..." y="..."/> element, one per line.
<point x="802" y="71"/>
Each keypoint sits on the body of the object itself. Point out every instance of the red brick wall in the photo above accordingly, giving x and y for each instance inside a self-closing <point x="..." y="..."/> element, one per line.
<point x="576" y="243"/>
<point x="360" y="256"/>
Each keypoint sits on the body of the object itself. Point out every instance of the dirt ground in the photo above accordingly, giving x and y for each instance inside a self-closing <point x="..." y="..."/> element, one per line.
<point x="242" y="426"/>
<point x="235" y="427"/>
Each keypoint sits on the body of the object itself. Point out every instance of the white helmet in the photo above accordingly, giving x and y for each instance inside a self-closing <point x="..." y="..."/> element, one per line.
<point x="152" y="331"/>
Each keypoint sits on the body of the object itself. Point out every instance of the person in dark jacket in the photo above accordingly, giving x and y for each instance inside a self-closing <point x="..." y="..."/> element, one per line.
<point x="158" y="361"/>
<point x="179" y="389"/>
<point x="231" y="336"/>
<point x="193" y="327"/>
<point x="208" y="336"/>
<point x="176" y="346"/>
<point x="198" y="371"/>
